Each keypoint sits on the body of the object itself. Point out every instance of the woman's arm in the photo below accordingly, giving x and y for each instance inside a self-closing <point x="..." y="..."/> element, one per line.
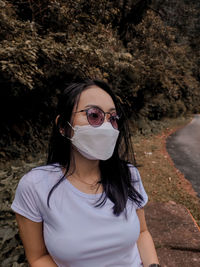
<point x="31" y="234"/>
<point x="145" y="242"/>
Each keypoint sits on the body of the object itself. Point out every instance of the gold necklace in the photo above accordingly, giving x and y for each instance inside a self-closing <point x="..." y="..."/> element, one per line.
<point x="92" y="186"/>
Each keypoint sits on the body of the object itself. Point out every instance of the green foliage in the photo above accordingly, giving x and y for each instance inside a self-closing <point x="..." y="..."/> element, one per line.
<point x="43" y="44"/>
<point x="163" y="73"/>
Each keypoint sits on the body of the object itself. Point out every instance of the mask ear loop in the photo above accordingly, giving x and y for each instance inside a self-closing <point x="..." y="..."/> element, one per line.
<point x="70" y="125"/>
<point x="62" y="131"/>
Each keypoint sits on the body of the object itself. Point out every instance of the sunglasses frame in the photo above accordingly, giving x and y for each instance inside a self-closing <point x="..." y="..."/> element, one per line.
<point x="103" y="112"/>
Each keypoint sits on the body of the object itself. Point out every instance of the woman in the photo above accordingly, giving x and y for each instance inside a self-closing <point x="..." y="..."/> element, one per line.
<point x="85" y="207"/>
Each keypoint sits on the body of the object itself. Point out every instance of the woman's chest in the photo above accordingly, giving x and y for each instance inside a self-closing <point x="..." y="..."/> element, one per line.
<point x="79" y="230"/>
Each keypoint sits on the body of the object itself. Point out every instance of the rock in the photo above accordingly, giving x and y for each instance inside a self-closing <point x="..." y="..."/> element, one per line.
<point x="176" y="236"/>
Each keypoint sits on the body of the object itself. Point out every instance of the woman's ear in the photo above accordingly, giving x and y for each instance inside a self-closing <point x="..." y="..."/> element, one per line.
<point x="56" y="120"/>
<point x="61" y="130"/>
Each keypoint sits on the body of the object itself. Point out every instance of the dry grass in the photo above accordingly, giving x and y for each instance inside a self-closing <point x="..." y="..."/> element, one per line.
<point x="162" y="181"/>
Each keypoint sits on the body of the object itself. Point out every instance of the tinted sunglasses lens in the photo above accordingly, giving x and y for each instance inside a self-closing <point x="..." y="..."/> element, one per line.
<point x="95" y="117"/>
<point x="114" y="121"/>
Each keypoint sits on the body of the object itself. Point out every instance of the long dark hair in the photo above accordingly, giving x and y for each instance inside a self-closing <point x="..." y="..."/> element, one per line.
<point x="115" y="172"/>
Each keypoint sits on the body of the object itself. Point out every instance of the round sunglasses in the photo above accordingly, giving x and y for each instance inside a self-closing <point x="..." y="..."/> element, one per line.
<point x="96" y="117"/>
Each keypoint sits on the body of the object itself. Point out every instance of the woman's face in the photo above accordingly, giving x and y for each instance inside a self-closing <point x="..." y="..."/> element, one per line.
<point x="93" y="96"/>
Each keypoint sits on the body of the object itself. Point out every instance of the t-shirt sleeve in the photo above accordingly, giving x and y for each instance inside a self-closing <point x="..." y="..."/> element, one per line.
<point x="26" y="200"/>
<point x="137" y="183"/>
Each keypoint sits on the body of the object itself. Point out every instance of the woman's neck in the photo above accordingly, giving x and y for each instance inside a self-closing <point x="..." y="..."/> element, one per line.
<point x="84" y="169"/>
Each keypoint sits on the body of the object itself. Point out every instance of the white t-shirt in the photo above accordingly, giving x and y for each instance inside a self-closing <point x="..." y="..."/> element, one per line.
<point x="77" y="234"/>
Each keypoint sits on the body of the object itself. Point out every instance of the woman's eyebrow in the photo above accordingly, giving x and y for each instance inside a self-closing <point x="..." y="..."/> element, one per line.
<point x="96" y="106"/>
<point x="111" y="109"/>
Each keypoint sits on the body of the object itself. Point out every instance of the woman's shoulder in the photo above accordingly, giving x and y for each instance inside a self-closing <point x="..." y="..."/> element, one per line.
<point x="135" y="175"/>
<point x="41" y="174"/>
<point x="138" y="185"/>
<point x="131" y="166"/>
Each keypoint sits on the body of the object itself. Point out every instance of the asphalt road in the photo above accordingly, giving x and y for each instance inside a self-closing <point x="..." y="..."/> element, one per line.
<point x="183" y="147"/>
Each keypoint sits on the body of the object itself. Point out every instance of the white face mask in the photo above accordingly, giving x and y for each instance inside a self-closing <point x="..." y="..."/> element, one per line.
<point x="95" y="143"/>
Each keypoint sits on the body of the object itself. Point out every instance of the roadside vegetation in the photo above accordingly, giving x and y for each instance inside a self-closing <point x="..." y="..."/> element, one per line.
<point x="162" y="181"/>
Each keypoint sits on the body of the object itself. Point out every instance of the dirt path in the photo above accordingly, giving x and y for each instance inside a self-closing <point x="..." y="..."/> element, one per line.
<point x="184" y="148"/>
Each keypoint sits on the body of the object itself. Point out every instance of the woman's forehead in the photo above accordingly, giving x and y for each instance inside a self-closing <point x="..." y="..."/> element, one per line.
<point x="94" y="95"/>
